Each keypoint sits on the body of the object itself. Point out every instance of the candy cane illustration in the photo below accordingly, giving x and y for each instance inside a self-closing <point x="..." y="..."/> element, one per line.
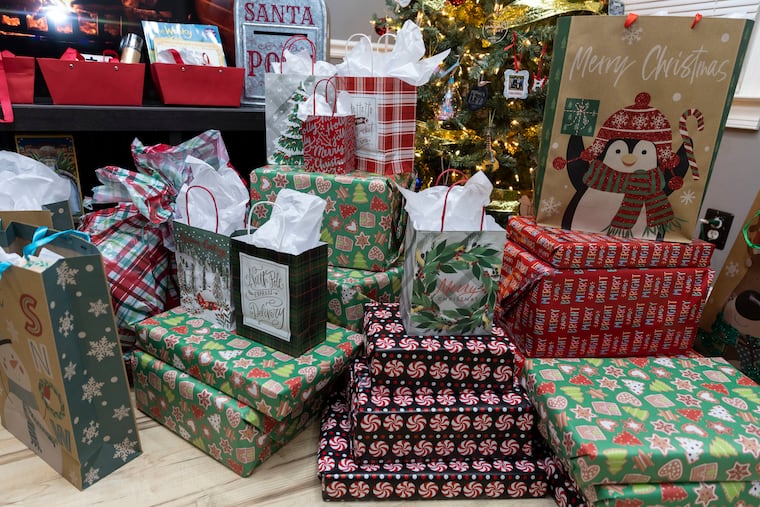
<point x="688" y="144"/>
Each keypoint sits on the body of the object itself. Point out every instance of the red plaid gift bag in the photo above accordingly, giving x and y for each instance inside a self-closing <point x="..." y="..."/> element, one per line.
<point x="385" y="109"/>
<point x="329" y="142"/>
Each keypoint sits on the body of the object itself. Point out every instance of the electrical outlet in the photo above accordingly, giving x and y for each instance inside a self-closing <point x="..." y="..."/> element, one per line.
<point x="715" y="227"/>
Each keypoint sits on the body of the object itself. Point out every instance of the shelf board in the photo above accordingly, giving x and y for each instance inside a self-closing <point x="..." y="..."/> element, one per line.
<point x="59" y="118"/>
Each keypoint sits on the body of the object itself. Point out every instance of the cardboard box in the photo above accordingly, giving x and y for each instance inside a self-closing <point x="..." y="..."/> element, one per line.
<point x="362" y="225"/>
<point x="231" y="432"/>
<point x="459" y="362"/>
<point x="552" y="312"/>
<point x="272" y="382"/>
<point x="401" y="424"/>
<point x="349" y="289"/>
<point x="343" y="478"/>
<point x="681" y="419"/>
<point x="566" y="249"/>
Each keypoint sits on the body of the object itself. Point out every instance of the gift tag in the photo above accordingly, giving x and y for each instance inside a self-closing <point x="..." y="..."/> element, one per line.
<point x="516" y="84"/>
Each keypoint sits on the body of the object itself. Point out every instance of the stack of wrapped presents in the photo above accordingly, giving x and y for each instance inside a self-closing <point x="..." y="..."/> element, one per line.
<point x="632" y="415"/>
<point x="431" y="417"/>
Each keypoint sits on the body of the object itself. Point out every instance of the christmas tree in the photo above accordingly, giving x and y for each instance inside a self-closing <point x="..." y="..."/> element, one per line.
<point x="290" y="143"/>
<point x="484" y="109"/>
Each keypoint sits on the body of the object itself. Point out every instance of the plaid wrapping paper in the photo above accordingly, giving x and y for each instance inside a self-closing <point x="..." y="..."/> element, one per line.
<point x="138" y="266"/>
<point x="363" y="223"/>
<point x="460" y="362"/>
<point x="565" y="249"/>
<point x="271" y="382"/>
<point x="229" y="431"/>
<point x="343" y="478"/>
<point x="598" y="312"/>
<point x="349" y="289"/>
<point x="680" y="419"/>
<point x="386" y="122"/>
<point x="401" y="424"/>
<point x="284" y="304"/>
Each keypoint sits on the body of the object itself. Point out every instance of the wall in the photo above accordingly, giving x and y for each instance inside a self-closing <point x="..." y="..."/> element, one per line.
<point x="353" y="16"/>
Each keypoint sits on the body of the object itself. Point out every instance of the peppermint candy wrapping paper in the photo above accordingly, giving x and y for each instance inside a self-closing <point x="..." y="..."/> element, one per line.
<point x="231" y="432"/>
<point x="551" y="312"/>
<point x="363" y="225"/>
<point x="342" y="478"/>
<point x="680" y="419"/>
<point x="399" y="425"/>
<point x="349" y="289"/>
<point x="271" y="382"/>
<point x="396" y="358"/>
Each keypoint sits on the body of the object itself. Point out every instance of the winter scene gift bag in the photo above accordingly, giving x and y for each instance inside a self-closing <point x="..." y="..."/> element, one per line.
<point x="279" y="276"/>
<point x="329" y="135"/>
<point x="63" y="385"/>
<point x="634" y="116"/>
<point x="452" y="260"/>
<point x="208" y="210"/>
<point x="284" y="91"/>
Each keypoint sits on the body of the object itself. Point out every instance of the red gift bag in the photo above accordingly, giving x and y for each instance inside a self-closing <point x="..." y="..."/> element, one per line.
<point x="16" y="83"/>
<point x="329" y="142"/>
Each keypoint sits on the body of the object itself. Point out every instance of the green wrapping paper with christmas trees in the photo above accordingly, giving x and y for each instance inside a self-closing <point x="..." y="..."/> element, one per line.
<point x="681" y="419"/>
<point x="362" y="226"/>
<point x="271" y="382"/>
<point x="230" y="432"/>
<point x="348" y="289"/>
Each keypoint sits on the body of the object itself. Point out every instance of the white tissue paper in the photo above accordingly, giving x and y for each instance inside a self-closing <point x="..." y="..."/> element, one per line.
<point x="300" y="63"/>
<point x="28" y="183"/>
<point x="318" y="105"/>
<point x="464" y="206"/>
<point x="293" y="227"/>
<point x="404" y="61"/>
<point x="196" y="208"/>
<point x="10" y="257"/>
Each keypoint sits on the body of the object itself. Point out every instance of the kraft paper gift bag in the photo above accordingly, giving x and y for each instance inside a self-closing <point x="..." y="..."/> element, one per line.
<point x="63" y="385"/>
<point x="634" y="116"/>
<point x="279" y="276"/>
<point x="452" y="260"/>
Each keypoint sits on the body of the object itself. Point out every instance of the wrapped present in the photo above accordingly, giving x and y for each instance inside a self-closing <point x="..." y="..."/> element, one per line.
<point x="680" y="419"/>
<point x="725" y="494"/>
<point x="565" y="249"/>
<point x="470" y="362"/>
<point x="552" y="312"/>
<point x="272" y="382"/>
<point x="349" y="289"/>
<point x="362" y="226"/>
<point x="343" y="478"/>
<point x="231" y="432"/>
<point x="397" y="425"/>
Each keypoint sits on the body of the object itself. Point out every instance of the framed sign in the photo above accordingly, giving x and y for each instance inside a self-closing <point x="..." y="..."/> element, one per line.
<point x="261" y="29"/>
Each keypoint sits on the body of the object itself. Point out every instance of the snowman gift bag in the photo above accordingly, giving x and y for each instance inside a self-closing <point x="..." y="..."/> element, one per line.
<point x="63" y="385"/>
<point x="634" y="115"/>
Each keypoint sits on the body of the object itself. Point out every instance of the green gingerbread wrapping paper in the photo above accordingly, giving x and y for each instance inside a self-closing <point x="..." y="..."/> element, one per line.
<point x="271" y="382"/>
<point x="230" y="432"/>
<point x="362" y="226"/>
<point x="348" y="289"/>
<point x="681" y="419"/>
<point x="702" y="494"/>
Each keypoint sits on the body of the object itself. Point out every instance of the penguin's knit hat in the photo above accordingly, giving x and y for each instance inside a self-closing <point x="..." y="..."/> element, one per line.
<point x="638" y="121"/>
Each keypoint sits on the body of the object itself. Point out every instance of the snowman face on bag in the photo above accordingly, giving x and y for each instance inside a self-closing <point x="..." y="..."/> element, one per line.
<point x="12" y="366"/>
<point x="630" y="155"/>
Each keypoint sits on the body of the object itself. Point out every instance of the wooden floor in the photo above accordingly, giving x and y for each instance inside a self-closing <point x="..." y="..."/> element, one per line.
<point x="172" y="472"/>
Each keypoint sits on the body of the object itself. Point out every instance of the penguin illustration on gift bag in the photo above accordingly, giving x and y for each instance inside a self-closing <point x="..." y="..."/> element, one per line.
<point x="623" y="179"/>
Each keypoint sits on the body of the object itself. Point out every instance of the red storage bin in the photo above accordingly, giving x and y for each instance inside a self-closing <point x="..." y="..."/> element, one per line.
<point x="198" y="85"/>
<point x="19" y="74"/>
<point x="93" y="83"/>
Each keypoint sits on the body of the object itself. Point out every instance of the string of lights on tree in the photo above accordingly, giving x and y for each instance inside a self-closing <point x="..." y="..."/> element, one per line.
<point x="483" y="110"/>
